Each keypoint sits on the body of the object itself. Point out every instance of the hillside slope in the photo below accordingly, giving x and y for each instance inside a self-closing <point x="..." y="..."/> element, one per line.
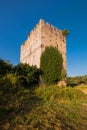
<point x="43" y="108"/>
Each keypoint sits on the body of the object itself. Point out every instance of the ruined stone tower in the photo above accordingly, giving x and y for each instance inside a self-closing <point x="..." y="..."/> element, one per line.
<point x="41" y="36"/>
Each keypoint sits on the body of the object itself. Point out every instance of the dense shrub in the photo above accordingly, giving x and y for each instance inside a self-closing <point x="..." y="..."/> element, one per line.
<point x="5" y="67"/>
<point x="8" y="88"/>
<point x="28" y="76"/>
<point x="51" y="65"/>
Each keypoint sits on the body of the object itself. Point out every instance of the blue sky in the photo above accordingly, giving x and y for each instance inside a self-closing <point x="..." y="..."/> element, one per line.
<point x="18" y="17"/>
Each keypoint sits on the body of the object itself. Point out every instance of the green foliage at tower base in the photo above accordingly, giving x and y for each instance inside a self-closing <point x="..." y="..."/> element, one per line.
<point x="28" y="76"/>
<point x="51" y="65"/>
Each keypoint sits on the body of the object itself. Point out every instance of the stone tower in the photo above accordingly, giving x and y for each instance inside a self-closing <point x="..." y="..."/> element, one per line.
<point x="41" y="36"/>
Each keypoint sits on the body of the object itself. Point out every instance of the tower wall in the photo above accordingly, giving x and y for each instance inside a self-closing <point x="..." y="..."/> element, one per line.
<point x="43" y="35"/>
<point x="51" y="36"/>
<point x="31" y="48"/>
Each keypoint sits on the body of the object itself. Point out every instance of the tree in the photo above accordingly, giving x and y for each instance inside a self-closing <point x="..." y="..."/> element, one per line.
<point x="5" y="67"/>
<point x="28" y="76"/>
<point x="51" y="65"/>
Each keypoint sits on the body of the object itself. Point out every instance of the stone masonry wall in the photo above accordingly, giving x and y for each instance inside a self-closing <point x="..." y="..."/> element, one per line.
<point x="51" y="36"/>
<point x="43" y="35"/>
<point x="31" y="48"/>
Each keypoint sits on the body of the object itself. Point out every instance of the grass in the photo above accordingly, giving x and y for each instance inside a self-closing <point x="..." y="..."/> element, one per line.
<point x="46" y="108"/>
<point x="82" y="88"/>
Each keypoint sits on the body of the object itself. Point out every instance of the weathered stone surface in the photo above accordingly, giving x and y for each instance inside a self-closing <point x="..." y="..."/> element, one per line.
<point x="43" y="35"/>
<point x="62" y="83"/>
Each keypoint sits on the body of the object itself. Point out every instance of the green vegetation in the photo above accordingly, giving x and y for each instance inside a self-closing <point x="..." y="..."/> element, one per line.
<point x="51" y="65"/>
<point x="28" y="76"/>
<point x="24" y="107"/>
<point x="43" y="108"/>
<point x="74" y="81"/>
<point x="65" y="32"/>
<point x="5" y="67"/>
<point x="25" y="75"/>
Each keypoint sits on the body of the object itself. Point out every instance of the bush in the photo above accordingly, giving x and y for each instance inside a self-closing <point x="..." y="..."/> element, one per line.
<point x="5" y="67"/>
<point x="65" y="32"/>
<point x="22" y="81"/>
<point x="28" y="76"/>
<point x="51" y="65"/>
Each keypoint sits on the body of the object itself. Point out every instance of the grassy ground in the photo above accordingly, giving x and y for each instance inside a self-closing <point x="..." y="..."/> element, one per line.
<point x="82" y="88"/>
<point x="45" y="108"/>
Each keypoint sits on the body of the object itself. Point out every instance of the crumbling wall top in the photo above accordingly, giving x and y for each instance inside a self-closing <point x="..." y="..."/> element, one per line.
<point x="41" y="24"/>
<point x="41" y="21"/>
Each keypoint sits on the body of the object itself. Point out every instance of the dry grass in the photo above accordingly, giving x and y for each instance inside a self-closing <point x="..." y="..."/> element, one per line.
<point x="82" y="88"/>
